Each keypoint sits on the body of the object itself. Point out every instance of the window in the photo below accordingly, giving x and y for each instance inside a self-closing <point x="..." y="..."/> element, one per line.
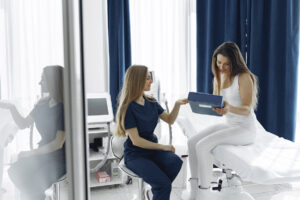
<point x="163" y="37"/>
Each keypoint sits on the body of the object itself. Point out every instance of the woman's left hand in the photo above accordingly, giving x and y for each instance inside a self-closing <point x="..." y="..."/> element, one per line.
<point x="222" y="111"/>
<point x="182" y="101"/>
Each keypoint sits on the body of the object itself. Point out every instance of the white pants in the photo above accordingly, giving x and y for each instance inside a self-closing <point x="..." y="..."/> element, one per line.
<point x="201" y="145"/>
<point x="1" y="166"/>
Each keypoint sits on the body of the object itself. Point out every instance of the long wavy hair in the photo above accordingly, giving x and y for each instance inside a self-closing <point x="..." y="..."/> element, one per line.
<point x="133" y="88"/>
<point x="237" y="66"/>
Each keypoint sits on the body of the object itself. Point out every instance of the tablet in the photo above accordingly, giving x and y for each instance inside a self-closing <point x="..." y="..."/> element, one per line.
<point x="99" y="109"/>
<point x="202" y="103"/>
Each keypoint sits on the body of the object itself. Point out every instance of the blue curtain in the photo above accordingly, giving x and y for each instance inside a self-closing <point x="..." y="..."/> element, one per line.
<point x="119" y="45"/>
<point x="217" y="22"/>
<point x="268" y="32"/>
<point x="273" y="57"/>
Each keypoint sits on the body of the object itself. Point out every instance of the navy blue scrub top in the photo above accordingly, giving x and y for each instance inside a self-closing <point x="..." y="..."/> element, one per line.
<point x="144" y="118"/>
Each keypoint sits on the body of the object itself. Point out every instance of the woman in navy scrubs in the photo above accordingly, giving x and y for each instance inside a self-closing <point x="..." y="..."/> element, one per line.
<point x="137" y="116"/>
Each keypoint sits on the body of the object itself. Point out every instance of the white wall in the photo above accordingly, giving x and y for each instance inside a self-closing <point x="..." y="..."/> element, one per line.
<point x="95" y="45"/>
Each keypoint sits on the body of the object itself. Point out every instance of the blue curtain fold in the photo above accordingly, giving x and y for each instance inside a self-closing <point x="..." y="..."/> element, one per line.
<point x="217" y="22"/>
<point x="119" y="45"/>
<point x="267" y="33"/>
<point x="273" y="57"/>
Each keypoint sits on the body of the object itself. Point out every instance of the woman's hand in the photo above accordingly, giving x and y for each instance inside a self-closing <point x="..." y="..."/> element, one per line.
<point x="223" y="111"/>
<point x="169" y="148"/>
<point x="182" y="101"/>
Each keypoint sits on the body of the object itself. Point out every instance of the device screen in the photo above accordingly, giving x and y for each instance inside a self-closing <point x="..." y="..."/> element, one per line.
<point x="97" y="106"/>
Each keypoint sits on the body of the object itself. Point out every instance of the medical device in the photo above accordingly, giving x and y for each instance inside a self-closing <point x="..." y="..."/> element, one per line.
<point x="99" y="116"/>
<point x="99" y="109"/>
<point x="203" y="103"/>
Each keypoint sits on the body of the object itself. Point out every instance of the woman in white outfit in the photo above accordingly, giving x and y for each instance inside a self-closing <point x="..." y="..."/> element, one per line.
<point x="238" y="86"/>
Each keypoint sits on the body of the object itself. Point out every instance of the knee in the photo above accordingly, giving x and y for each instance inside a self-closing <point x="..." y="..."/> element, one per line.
<point x="202" y="148"/>
<point x="177" y="166"/>
<point x="173" y="165"/>
<point x="179" y="162"/>
<point x="176" y="163"/>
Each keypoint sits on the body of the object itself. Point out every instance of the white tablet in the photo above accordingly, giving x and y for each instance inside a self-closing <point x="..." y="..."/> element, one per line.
<point x="99" y="109"/>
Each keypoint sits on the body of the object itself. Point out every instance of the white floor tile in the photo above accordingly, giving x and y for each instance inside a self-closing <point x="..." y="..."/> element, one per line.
<point x="259" y="192"/>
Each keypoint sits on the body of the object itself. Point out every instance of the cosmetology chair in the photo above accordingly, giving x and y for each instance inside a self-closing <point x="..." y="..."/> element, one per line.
<point x="118" y="151"/>
<point x="269" y="160"/>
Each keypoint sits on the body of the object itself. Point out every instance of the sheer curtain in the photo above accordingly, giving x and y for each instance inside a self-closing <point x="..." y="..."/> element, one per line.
<point x="96" y="57"/>
<point x="163" y="37"/>
<point x="31" y="37"/>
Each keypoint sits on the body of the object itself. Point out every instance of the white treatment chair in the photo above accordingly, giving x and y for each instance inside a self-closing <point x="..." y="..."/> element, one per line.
<point x="270" y="160"/>
<point x="118" y="151"/>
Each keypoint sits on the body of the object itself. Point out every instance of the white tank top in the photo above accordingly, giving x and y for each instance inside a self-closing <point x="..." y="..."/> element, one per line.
<point x="232" y="96"/>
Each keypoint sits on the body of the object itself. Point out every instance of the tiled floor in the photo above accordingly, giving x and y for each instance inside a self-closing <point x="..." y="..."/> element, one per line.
<point x="259" y="192"/>
<point x="129" y="192"/>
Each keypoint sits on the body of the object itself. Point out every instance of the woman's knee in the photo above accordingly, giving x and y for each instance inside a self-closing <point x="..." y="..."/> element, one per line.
<point x="192" y="141"/>
<point x="202" y="149"/>
<point x="174" y="164"/>
<point x="177" y="163"/>
<point x="173" y="167"/>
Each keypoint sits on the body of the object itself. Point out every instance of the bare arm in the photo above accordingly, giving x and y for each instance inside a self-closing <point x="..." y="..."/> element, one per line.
<point x="170" y="118"/>
<point x="246" y="90"/>
<point x="54" y="145"/>
<point x="22" y="122"/>
<point x="215" y="87"/>
<point x="145" y="144"/>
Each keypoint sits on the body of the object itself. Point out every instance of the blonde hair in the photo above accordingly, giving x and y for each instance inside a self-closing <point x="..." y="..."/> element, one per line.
<point x="133" y="88"/>
<point x="238" y="66"/>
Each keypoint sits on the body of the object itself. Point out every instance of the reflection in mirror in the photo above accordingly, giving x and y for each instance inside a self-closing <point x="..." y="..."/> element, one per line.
<point x="32" y="147"/>
<point x="45" y="164"/>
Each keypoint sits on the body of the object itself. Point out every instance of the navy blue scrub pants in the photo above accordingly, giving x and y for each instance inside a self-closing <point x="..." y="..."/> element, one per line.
<point x="159" y="169"/>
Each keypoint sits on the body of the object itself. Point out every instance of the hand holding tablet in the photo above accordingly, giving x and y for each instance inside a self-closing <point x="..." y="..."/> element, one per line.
<point x="203" y="103"/>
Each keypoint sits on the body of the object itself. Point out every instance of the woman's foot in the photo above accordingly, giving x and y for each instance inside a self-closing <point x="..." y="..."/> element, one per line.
<point x="191" y="190"/>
